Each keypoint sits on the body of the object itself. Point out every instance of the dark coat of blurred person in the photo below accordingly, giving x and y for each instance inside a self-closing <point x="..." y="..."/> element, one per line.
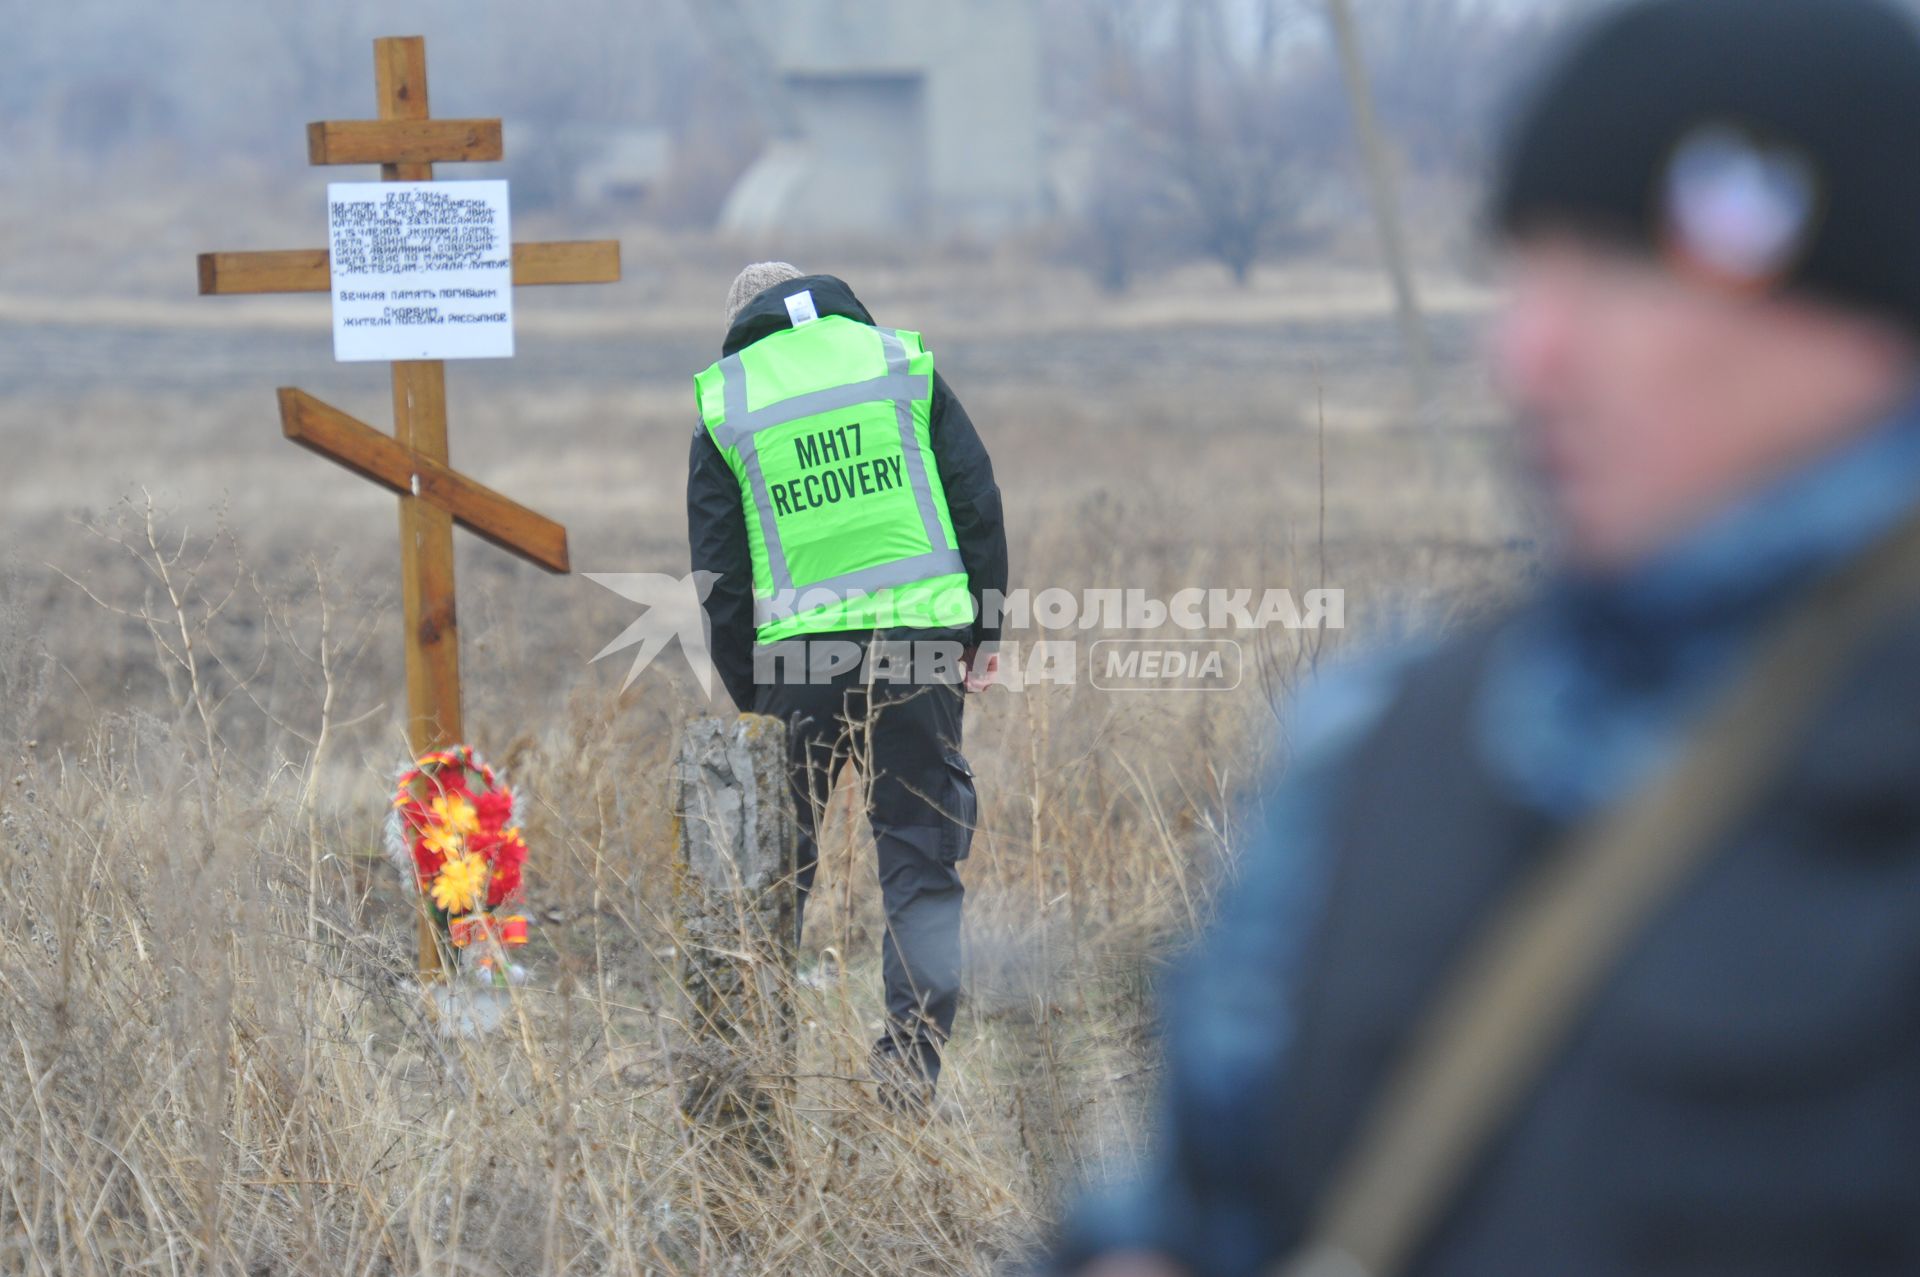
<point x="1711" y="211"/>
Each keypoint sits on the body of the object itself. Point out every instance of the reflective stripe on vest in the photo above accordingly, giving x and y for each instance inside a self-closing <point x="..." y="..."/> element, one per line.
<point x="742" y="425"/>
<point x="788" y="601"/>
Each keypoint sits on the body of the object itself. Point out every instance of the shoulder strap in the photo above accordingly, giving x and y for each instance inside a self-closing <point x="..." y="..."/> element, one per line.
<point x="1526" y="979"/>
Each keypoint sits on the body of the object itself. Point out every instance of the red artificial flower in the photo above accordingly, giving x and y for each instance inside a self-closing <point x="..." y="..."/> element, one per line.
<point x="426" y="862"/>
<point x="495" y="808"/>
<point x="508" y="857"/>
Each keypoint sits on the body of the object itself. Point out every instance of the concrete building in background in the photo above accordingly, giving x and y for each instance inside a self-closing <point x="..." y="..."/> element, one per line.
<point x="893" y="119"/>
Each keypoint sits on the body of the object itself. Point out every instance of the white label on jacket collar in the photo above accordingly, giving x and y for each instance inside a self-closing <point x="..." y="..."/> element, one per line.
<point x="800" y="308"/>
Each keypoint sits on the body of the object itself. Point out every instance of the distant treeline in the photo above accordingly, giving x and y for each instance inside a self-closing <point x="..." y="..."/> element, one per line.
<point x="1179" y="128"/>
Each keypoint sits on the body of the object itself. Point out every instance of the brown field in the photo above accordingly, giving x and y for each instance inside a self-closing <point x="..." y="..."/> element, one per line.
<point x="212" y="1059"/>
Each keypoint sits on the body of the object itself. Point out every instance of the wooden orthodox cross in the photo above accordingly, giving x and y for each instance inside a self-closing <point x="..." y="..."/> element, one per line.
<point x="406" y="143"/>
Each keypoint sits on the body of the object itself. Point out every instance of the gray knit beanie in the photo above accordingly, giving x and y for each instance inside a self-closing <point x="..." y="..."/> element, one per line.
<point x="753" y="281"/>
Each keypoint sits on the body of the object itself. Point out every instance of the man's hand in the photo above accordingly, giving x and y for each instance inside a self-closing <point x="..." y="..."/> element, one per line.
<point x="979" y="675"/>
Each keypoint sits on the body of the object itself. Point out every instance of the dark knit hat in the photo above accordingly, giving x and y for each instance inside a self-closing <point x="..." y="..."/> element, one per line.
<point x="1767" y="144"/>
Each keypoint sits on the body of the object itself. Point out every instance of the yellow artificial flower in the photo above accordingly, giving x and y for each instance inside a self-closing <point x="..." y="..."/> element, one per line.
<point x="447" y="843"/>
<point x="454" y="812"/>
<point x="461" y="884"/>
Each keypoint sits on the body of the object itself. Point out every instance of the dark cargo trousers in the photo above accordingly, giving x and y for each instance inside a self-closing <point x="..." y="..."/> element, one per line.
<point x="901" y="730"/>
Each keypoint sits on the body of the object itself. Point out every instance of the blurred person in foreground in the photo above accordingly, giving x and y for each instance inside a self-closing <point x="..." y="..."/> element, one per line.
<point x="847" y="507"/>
<point x="1712" y="214"/>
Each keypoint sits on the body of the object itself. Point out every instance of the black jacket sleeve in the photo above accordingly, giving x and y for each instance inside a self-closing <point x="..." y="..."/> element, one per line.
<point x="717" y="533"/>
<point x="973" y="502"/>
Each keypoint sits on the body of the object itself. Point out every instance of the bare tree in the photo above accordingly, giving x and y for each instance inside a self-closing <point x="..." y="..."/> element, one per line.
<point x="1199" y="146"/>
<point x="1127" y="211"/>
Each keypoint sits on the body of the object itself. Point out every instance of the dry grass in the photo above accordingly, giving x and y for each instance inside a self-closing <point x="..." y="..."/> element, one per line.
<point x="212" y="1059"/>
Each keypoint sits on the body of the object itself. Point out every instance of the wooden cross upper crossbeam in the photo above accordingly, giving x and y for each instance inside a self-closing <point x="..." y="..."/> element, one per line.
<point x="403" y="141"/>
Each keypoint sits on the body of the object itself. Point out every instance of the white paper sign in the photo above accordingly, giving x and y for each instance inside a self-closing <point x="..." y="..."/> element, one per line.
<point x="421" y="270"/>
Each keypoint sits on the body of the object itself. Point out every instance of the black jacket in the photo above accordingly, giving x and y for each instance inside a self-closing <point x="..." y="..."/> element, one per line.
<point x="1741" y="1095"/>
<point x="716" y="520"/>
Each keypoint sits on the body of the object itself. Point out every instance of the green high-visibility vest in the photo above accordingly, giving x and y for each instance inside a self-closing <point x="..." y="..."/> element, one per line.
<point x="826" y="429"/>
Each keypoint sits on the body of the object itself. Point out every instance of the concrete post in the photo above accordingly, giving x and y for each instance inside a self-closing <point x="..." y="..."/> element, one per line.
<point x="734" y="903"/>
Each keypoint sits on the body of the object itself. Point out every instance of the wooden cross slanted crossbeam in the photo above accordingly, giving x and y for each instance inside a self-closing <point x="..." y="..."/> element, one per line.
<point x="406" y="143"/>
